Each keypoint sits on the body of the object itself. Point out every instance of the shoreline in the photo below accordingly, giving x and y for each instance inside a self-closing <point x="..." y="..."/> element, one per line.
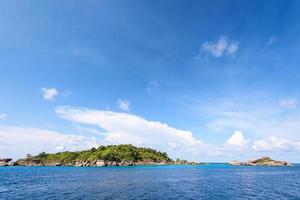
<point x="158" y="165"/>
<point x="131" y="165"/>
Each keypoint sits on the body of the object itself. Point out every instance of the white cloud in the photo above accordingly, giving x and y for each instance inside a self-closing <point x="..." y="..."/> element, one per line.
<point x="124" y="105"/>
<point x="124" y="128"/>
<point x="232" y="48"/>
<point x="18" y="141"/>
<point x="271" y="40"/>
<point x="3" y="116"/>
<point x="276" y="144"/>
<point x="220" y="47"/>
<point x="127" y="128"/>
<point x="215" y="48"/>
<point x="290" y="103"/>
<point x="260" y="117"/>
<point x="87" y="130"/>
<point x="49" y="93"/>
<point x="237" y="139"/>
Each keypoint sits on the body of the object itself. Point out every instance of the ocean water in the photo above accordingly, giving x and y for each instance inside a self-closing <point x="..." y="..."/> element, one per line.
<point x="214" y="181"/>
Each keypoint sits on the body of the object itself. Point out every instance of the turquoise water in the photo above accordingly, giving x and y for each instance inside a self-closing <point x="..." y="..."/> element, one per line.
<point x="214" y="181"/>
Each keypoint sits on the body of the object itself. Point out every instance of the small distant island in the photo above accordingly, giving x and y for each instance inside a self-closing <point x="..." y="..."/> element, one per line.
<point x="264" y="161"/>
<point x="111" y="155"/>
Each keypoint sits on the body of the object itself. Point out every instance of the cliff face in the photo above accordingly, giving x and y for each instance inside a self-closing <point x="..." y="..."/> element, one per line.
<point x="264" y="161"/>
<point x="112" y="155"/>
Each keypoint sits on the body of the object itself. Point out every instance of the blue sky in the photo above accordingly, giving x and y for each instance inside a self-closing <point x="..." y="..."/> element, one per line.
<point x="203" y="80"/>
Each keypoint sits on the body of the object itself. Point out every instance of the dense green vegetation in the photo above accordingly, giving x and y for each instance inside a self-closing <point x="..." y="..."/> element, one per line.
<point x="117" y="153"/>
<point x="263" y="160"/>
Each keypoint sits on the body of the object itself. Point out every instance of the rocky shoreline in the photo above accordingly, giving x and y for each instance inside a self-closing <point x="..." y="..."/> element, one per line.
<point x="264" y="161"/>
<point x="7" y="162"/>
<point x="95" y="163"/>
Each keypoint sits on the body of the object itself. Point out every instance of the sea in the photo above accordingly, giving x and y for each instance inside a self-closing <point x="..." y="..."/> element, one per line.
<point x="211" y="181"/>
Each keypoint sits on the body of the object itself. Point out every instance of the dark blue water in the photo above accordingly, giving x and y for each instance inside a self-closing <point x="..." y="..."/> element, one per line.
<point x="215" y="181"/>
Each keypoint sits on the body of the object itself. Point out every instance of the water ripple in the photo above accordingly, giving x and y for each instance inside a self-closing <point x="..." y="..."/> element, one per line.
<point x="156" y="182"/>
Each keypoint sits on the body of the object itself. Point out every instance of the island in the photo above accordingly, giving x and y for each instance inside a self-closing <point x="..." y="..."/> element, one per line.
<point x="264" y="161"/>
<point x="111" y="155"/>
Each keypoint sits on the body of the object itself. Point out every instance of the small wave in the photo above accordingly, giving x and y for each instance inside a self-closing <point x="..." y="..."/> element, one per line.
<point x="3" y="189"/>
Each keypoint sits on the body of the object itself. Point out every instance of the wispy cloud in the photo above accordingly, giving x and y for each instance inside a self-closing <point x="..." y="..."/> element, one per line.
<point x="271" y="40"/>
<point x="252" y="114"/>
<point x="86" y="130"/>
<point x="124" y="104"/>
<point x="18" y="141"/>
<point x="232" y="48"/>
<point x="220" y="48"/>
<point x="49" y="94"/>
<point x="276" y="144"/>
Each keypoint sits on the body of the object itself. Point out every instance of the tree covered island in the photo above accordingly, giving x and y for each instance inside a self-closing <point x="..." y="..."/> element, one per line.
<point x="111" y="155"/>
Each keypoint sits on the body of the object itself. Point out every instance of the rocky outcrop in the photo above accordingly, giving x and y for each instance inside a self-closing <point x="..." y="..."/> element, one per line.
<point x="264" y="161"/>
<point x="185" y="162"/>
<point x="102" y="163"/>
<point x="81" y="163"/>
<point x="28" y="163"/>
<point x="235" y="162"/>
<point x="98" y="163"/>
<point x="6" y="162"/>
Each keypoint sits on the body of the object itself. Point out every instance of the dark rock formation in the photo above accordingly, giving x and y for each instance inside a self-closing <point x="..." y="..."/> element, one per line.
<point x="6" y="162"/>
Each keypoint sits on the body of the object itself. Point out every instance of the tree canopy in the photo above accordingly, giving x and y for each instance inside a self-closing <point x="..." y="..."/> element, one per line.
<point x="118" y="153"/>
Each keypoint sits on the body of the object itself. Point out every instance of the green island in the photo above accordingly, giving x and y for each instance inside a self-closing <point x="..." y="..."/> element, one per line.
<point x="111" y="155"/>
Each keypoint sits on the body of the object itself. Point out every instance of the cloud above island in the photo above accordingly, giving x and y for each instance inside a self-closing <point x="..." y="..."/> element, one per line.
<point x="18" y="141"/>
<point x="102" y="127"/>
<point x="127" y="128"/>
<point x="237" y="140"/>
<point x="276" y="144"/>
<point x="124" y="128"/>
